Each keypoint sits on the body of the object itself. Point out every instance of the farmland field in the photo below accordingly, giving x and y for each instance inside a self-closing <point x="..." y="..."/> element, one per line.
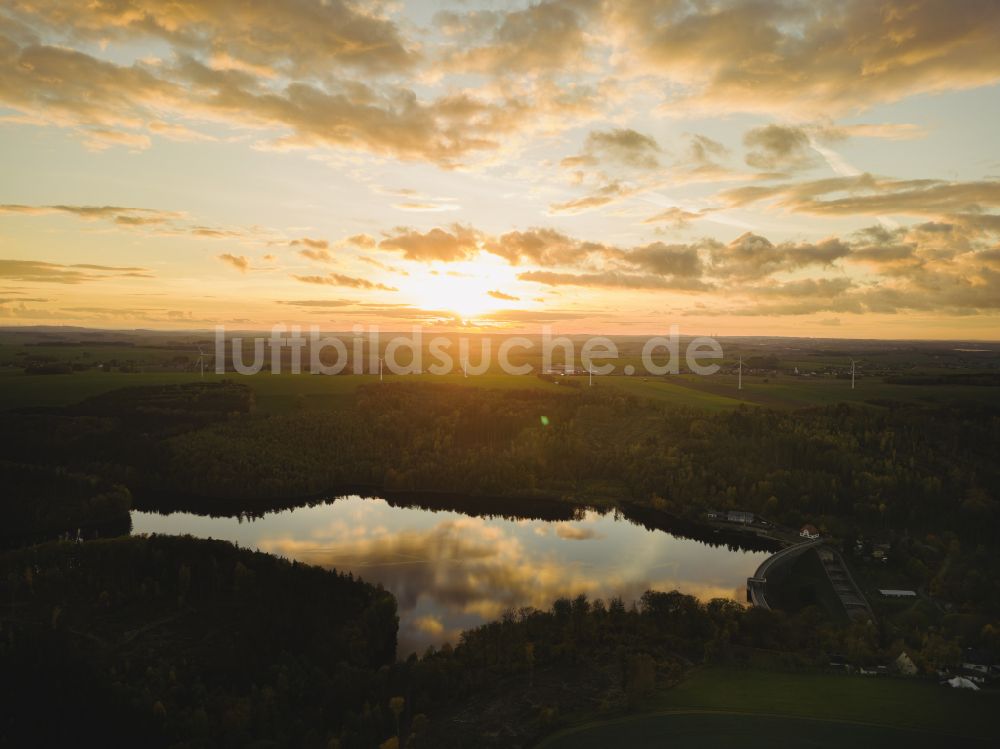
<point x="274" y="393"/>
<point x="718" y="707"/>
<point x="285" y="392"/>
<point x="786" y="391"/>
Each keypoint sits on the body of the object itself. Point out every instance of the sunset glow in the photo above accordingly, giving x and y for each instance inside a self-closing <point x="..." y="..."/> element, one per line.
<point x="744" y="168"/>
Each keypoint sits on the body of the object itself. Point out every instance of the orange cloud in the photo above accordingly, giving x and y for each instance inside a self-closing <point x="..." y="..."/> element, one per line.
<point x="337" y="279"/>
<point x="437" y="244"/>
<point x="240" y="262"/>
<point x="813" y="58"/>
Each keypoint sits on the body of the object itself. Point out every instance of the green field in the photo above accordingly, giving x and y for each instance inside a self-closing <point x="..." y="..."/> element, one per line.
<point x="786" y="391"/>
<point x="285" y="392"/>
<point x="676" y="392"/>
<point x="755" y="708"/>
<point x="714" y="729"/>
<point x="274" y="393"/>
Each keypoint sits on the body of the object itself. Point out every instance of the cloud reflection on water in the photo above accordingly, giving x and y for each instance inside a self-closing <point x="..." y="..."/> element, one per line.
<point x="459" y="571"/>
<point x="451" y="571"/>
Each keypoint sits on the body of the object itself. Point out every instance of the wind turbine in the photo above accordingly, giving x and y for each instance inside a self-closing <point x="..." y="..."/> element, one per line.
<point x="739" y="380"/>
<point x="590" y="372"/>
<point x="852" y="374"/>
<point x="380" y="369"/>
<point x="201" y="362"/>
<point x="465" y="367"/>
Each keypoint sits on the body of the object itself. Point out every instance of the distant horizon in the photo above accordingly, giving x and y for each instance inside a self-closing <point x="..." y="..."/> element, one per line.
<point x="480" y="332"/>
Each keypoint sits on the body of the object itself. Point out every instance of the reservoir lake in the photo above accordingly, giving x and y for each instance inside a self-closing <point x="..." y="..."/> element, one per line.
<point x="451" y="571"/>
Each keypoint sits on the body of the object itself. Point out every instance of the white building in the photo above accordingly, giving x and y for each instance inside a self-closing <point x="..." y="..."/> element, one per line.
<point x="893" y="593"/>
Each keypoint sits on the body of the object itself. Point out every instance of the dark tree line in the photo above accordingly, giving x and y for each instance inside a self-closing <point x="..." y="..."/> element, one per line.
<point x="209" y="643"/>
<point x="171" y="641"/>
<point x="188" y="640"/>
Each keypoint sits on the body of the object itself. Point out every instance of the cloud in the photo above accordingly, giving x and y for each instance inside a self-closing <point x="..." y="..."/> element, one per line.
<point x="622" y="146"/>
<point x="503" y="297"/>
<point x="382" y="266"/>
<point x="320" y="256"/>
<point x="948" y="293"/>
<point x="533" y="316"/>
<point x="790" y="148"/>
<point x="575" y="533"/>
<point x="462" y="567"/>
<point x="210" y="232"/>
<point x="350" y="115"/>
<point x="867" y="194"/>
<point x="754" y="256"/>
<point x="666" y="260"/>
<point x="703" y="150"/>
<point x="546" y="247"/>
<point x="393" y="312"/>
<point x="546" y="36"/>
<point x="118" y="214"/>
<point x="240" y="262"/>
<point x="944" y="267"/>
<point x="177" y="132"/>
<point x="423" y="206"/>
<point x="296" y="38"/>
<point x="911" y="269"/>
<point x="701" y="159"/>
<point x="811" y="288"/>
<point x="429" y="625"/>
<point x="677" y="217"/>
<point x="68" y="88"/>
<point x="362" y="240"/>
<point x="151" y="221"/>
<point x="605" y="195"/>
<point x="313" y="244"/>
<point x="109" y="103"/>
<point x="614" y="164"/>
<point x="317" y="302"/>
<point x="43" y="272"/>
<point x="99" y="139"/>
<point x="337" y="279"/>
<point x="466" y="25"/>
<point x="778" y="147"/>
<point x="361" y="77"/>
<point x="609" y="279"/>
<point x="885" y="130"/>
<point x="459" y="243"/>
<point x="315" y="249"/>
<point x="813" y="58"/>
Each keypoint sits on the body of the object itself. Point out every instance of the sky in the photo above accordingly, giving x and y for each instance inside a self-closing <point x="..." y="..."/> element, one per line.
<point x="811" y="168"/>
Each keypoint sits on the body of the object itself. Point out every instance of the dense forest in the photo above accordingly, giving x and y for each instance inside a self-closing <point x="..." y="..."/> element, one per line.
<point x="40" y="502"/>
<point x="924" y="477"/>
<point x="151" y="642"/>
<point x="167" y="641"/>
<point x="197" y="643"/>
<point x="848" y="468"/>
<point x="874" y="469"/>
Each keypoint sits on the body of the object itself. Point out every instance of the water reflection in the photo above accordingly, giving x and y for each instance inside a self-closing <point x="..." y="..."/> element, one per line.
<point x="450" y="571"/>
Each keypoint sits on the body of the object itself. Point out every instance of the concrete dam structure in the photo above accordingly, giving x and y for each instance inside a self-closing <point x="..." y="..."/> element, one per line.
<point x="773" y="570"/>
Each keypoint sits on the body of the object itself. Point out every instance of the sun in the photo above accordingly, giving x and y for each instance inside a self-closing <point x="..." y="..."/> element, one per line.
<point x="468" y="292"/>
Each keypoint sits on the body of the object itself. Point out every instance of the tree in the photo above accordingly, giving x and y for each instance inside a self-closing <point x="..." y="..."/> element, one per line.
<point x="396" y="705"/>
